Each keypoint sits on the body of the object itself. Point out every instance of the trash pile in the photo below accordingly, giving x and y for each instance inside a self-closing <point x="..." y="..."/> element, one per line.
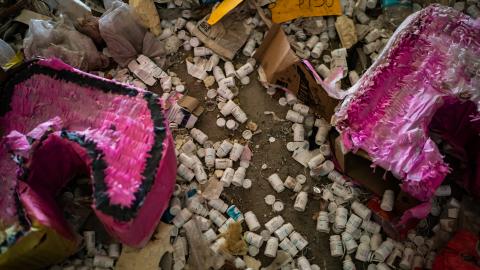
<point x="160" y="70"/>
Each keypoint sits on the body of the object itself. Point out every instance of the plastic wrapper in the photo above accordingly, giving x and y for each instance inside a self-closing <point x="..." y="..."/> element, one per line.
<point x="56" y="39"/>
<point x="59" y="123"/>
<point x="88" y="25"/>
<point x="126" y="38"/>
<point x="429" y="59"/>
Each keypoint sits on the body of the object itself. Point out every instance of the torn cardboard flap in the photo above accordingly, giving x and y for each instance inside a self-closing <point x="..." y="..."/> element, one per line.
<point x="191" y="104"/>
<point x="284" y="69"/>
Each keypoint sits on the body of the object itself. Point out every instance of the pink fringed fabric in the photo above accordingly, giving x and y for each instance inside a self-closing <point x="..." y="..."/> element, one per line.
<point x="432" y="55"/>
<point x="79" y="123"/>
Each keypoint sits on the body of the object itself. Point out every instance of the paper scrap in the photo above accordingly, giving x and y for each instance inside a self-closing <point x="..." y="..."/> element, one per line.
<point x="286" y="10"/>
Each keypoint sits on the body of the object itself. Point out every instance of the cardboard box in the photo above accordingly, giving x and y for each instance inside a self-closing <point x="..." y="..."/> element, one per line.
<point x="284" y="69"/>
<point x="358" y="166"/>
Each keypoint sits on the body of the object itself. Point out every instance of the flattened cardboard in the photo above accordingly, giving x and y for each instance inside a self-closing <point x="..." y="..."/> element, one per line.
<point x="283" y="68"/>
<point x="227" y="36"/>
<point x="148" y="257"/>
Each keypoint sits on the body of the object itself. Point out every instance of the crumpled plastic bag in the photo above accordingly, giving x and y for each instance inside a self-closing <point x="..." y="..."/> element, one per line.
<point x="126" y="38"/>
<point x="56" y="39"/>
<point x="147" y="15"/>
<point x="88" y="25"/>
<point x="74" y="9"/>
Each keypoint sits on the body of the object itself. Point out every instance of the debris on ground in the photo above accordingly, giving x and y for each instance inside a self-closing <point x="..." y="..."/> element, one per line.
<point x="240" y="135"/>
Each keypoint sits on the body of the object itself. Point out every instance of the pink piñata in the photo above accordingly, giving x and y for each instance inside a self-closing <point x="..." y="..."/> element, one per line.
<point x="433" y="56"/>
<point x="59" y="122"/>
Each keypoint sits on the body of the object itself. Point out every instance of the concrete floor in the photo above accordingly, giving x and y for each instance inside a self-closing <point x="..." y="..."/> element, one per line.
<point x="254" y="101"/>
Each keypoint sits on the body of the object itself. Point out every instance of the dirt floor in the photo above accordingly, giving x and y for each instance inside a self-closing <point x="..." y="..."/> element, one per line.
<point x="254" y="101"/>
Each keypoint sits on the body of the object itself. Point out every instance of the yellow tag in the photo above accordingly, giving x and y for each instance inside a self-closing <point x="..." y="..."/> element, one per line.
<point x="287" y="10"/>
<point x="222" y="10"/>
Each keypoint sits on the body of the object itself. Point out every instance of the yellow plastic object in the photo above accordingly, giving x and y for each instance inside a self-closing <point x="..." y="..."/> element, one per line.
<point x="16" y="60"/>
<point x="39" y="248"/>
<point x="222" y="9"/>
<point x="286" y="10"/>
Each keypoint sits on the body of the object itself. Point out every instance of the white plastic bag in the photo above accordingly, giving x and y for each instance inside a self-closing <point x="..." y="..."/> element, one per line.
<point x="55" y="39"/>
